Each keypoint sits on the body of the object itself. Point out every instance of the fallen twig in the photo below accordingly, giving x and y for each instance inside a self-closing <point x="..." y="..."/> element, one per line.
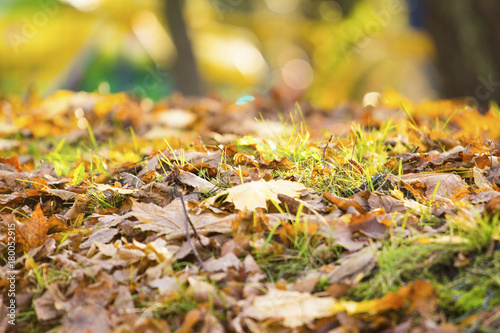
<point x="188" y="236"/>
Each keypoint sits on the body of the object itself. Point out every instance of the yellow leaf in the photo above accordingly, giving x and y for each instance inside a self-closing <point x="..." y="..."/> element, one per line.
<point x="255" y="194"/>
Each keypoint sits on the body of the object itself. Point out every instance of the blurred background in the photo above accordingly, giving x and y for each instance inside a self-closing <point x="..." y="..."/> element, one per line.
<point x="323" y="51"/>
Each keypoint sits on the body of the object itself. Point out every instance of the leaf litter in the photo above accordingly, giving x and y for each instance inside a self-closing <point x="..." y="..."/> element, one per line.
<point x="387" y="227"/>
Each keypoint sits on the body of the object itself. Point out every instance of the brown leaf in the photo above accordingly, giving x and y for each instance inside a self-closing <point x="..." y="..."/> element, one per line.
<point x="40" y="183"/>
<point x="222" y="263"/>
<point x="57" y="223"/>
<point x="344" y="203"/>
<point x="85" y="319"/>
<point x="100" y="235"/>
<point x="192" y="317"/>
<point x="246" y="222"/>
<point x="389" y="204"/>
<point x="45" y="307"/>
<point x="368" y="224"/>
<point x="352" y="266"/>
<point x="11" y="161"/>
<point x="34" y="232"/>
<point x="239" y="245"/>
<point x="292" y="205"/>
<point x="199" y="184"/>
<point x="425" y="184"/>
<point x="166" y="285"/>
<point x="170" y="220"/>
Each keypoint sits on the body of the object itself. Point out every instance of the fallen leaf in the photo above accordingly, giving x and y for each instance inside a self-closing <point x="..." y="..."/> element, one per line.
<point x="99" y="235"/>
<point x="85" y="319"/>
<point x="32" y="233"/>
<point x="447" y="184"/>
<point x="170" y="220"/>
<point x="352" y="266"/>
<point x="254" y="195"/>
<point x="419" y="296"/>
<point x="345" y="203"/>
<point x="222" y="263"/>
<point x="199" y="184"/>
<point x="293" y="308"/>
<point x="389" y="204"/>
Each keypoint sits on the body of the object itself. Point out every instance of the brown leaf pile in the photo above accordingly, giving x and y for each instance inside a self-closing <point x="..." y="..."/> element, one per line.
<point x="106" y="250"/>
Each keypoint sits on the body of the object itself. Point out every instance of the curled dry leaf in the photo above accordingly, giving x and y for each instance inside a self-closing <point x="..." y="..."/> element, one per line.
<point x="356" y="202"/>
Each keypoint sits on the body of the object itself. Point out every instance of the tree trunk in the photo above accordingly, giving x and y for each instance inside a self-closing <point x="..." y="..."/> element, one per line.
<point x="186" y="73"/>
<point x="467" y="40"/>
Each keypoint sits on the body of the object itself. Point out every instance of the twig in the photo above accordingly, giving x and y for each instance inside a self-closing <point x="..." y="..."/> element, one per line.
<point x="324" y="150"/>
<point x="188" y="236"/>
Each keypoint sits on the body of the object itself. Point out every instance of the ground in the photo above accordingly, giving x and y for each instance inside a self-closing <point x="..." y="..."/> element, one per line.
<point x="199" y="215"/>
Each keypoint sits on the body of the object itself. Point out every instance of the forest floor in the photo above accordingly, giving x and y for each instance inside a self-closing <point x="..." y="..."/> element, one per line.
<point x="200" y="215"/>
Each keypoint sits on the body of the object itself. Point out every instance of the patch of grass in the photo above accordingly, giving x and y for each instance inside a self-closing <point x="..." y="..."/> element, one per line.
<point x="400" y="264"/>
<point x="55" y="275"/>
<point x="480" y="230"/>
<point x="461" y="291"/>
<point x="106" y="199"/>
<point x="170" y="310"/>
<point x="474" y="288"/>
<point x="304" y="253"/>
<point x="27" y="322"/>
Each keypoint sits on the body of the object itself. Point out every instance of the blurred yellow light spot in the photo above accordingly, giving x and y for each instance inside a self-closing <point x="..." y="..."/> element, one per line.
<point x="104" y="88"/>
<point x="153" y="37"/>
<point x="147" y="104"/>
<point x="245" y="57"/>
<point x="79" y="113"/>
<point x="82" y="123"/>
<point x="374" y="99"/>
<point x="297" y="74"/>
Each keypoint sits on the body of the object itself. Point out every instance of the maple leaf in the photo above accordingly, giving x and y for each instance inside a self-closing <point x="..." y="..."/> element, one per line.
<point x="254" y="195"/>
<point x="170" y="220"/>
<point x="33" y="233"/>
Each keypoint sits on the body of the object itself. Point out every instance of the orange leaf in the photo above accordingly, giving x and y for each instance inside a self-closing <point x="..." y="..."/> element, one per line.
<point x="40" y="183"/>
<point x="33" y="233"/>
<point x="12" y="161"/>
<point x="344" y="203"/>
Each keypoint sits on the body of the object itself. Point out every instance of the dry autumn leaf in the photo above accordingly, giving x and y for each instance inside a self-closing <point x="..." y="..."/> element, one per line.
<point x="32" y="233"/>
<point x="433" y="184"/>
<point x="170" y="220"/>
<point x="294" y="308"/>
<point x="254" y="195"/>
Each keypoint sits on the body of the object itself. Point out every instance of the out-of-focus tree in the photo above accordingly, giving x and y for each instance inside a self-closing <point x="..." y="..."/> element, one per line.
<point x="467" y="39"/>
<point x="185" y="68"/>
